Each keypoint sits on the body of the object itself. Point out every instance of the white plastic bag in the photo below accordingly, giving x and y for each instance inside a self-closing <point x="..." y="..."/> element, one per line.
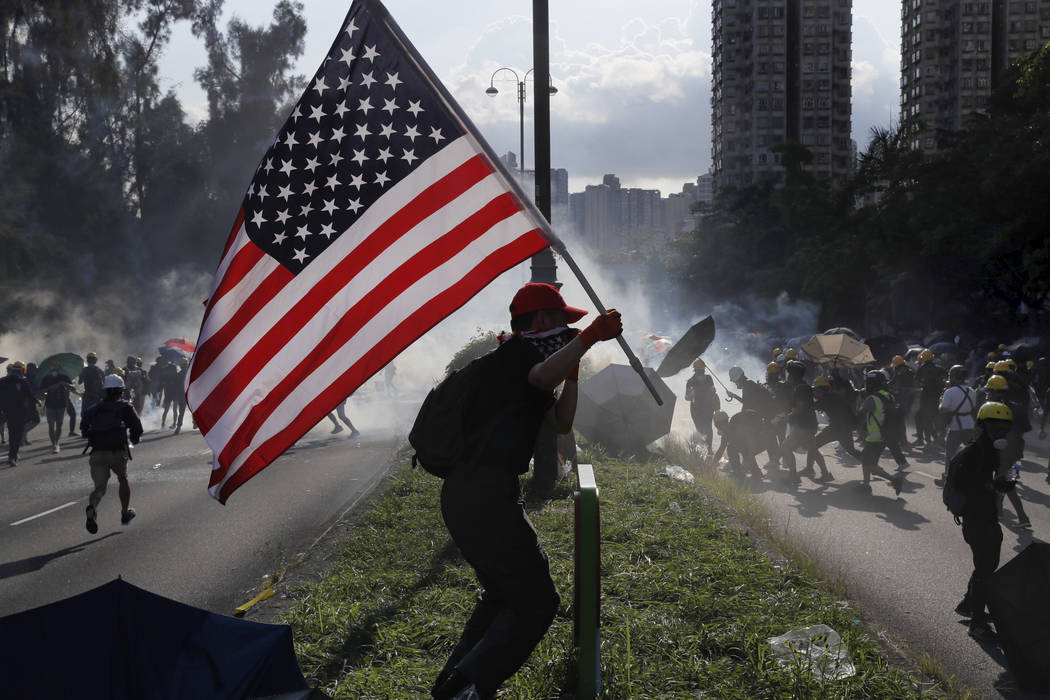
<point x="676" y="472"/>
<point x="817" y="649"/>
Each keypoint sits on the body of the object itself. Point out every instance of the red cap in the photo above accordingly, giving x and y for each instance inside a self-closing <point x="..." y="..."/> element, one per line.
<point x="537" y="296"/>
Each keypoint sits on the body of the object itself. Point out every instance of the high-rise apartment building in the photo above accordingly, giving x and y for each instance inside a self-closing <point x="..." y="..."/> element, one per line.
<point x="780" y="75"/>
<point x="952" y="54"/>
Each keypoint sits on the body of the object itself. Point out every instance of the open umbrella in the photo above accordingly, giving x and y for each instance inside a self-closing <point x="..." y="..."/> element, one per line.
<point x="838" y="351"/>
<point x="614" y="408"/>
<point x="842" y="330"/>
<point x="938" y="337"/>
<point x="179" y="346"/>
<point x="1021" y="611"/>
<point x="691" y="346"/>
<point x="884" y="347"/>
<point x="120" y="641"/>
<point x="68" y="363"/>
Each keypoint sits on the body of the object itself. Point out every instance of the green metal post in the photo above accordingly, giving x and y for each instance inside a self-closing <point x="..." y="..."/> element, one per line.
<point x="588" y="585"/>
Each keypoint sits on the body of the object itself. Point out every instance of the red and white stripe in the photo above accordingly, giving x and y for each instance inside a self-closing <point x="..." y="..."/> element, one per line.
<point x="278" y="351"/>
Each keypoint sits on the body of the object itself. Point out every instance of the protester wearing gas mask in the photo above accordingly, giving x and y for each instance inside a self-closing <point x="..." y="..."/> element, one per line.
<point x="974" y="471"/>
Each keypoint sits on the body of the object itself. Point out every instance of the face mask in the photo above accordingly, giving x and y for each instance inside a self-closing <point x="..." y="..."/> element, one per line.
<point x="1000" y="443"/>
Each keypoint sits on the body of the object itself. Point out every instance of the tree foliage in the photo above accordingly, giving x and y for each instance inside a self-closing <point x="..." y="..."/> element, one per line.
<point x="106" y="186"/>
<point x="958" y="240"/>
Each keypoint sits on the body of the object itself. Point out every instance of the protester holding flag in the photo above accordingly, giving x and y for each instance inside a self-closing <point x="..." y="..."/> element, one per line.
<point x="480" y="499"/>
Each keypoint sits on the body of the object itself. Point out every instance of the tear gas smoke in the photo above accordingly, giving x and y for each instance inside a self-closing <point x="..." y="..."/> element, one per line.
<point x="134" y="318"/>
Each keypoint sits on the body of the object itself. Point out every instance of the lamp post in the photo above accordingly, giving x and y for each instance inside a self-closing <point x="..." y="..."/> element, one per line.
<point x="492" y="91"/>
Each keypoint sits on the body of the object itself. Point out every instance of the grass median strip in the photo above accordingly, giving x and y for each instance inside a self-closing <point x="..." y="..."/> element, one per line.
<point x="687" y="602"/>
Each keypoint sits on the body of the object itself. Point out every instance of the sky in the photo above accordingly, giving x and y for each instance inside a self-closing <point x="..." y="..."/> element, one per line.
<point x="633" y="79"/>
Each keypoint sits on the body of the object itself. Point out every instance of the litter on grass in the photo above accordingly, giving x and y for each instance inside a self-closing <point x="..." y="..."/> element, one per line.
<point x="817" y="649"/>
<point x="676" y="472"/>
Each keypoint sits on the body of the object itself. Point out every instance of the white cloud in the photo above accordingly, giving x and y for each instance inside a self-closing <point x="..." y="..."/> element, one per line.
<point x="864" y="76"/>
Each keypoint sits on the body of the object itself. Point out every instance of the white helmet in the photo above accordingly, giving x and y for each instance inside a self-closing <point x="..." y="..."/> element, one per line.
<point x="113" y="381"/>
<point x="735" y="374"/>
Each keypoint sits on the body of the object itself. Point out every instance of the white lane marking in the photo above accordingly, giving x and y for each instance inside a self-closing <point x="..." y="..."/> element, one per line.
<point x="46" y="512"/>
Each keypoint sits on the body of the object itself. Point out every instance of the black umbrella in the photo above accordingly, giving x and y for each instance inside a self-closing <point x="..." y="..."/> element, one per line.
<point x="938" y="337"/>
<point x="691" y="346"/>
<point x="120" y="641"/>
<point x="1021" y="610"/>
<point x="884" y="347"/>
<point x="615" y="408"/>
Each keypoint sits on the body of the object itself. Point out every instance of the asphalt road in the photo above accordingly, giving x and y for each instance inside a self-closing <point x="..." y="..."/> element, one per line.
<point x="904" y="559"/>
<point x="183" y="544"/>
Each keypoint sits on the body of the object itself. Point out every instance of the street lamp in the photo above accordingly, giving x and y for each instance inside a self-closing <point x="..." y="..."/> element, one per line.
<point x="492" y="91"/>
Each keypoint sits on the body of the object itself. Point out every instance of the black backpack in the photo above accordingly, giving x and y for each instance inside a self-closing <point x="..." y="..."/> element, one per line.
<point x="106" y="429"/>
<point x="438" y="433"/>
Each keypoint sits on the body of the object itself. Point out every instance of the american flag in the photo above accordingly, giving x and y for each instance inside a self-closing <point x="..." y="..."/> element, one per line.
<point x="376" y="212"/>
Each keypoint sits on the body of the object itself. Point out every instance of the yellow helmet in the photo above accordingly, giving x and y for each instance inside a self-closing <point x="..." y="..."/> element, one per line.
<point x="776" y="352"/>
<point x="772" y="368"/>
<point x="992" y="355"/>
<point x="17" y="364"/>
<point x="821" y="381"/>
<point x="897" y="361"/>
<point x="925" y="355"/>
<point x="119" y="372"/>
<point x="1012" y="364"/>
<point x="1002" y="346"/>
<point x="699" y="364"/>
<point x="791" y="354"/>
<point x="1005" y="366"/>
<point x="996" y="382"/>
<point x="720" y="417"/>
<point x="990" y="365"/>
<point x="995" y="411"/>
<point x="1030" y="364"/>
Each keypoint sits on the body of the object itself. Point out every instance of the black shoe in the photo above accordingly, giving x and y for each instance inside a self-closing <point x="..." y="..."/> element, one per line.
<point x="982" y="632"/>
<point x="898" y="482"/>
<point x="807" y="472"/>
<point x="355" y="433"/>
<point x="73" y="433"/>
<point x="127" y="516"/>
<point x="826" y="476"/>
<point x="337" y="429"/>
<point x="91" y="524"/>
<point x="964" y="608"/>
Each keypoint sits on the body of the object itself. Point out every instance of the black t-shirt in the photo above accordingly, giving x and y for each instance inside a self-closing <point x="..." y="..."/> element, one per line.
<point x="802" y="413"/>
<point x="92" y="377"/>
<point x="506" y="416"/>
<point x="981" y="462"/>
<point x="56" y="390"/>
<point x="839" y="412"/>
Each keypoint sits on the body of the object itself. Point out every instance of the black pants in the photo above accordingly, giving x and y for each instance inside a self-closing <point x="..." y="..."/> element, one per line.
<point x="985" y="538"/>
<point x="869" y="461"/>
<point x="16" y="425"/>
<point x="71" y="411"/>
<point x="702" y="423"/>
<point x="486" y="520"/>
<point x="831" y="433"/>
